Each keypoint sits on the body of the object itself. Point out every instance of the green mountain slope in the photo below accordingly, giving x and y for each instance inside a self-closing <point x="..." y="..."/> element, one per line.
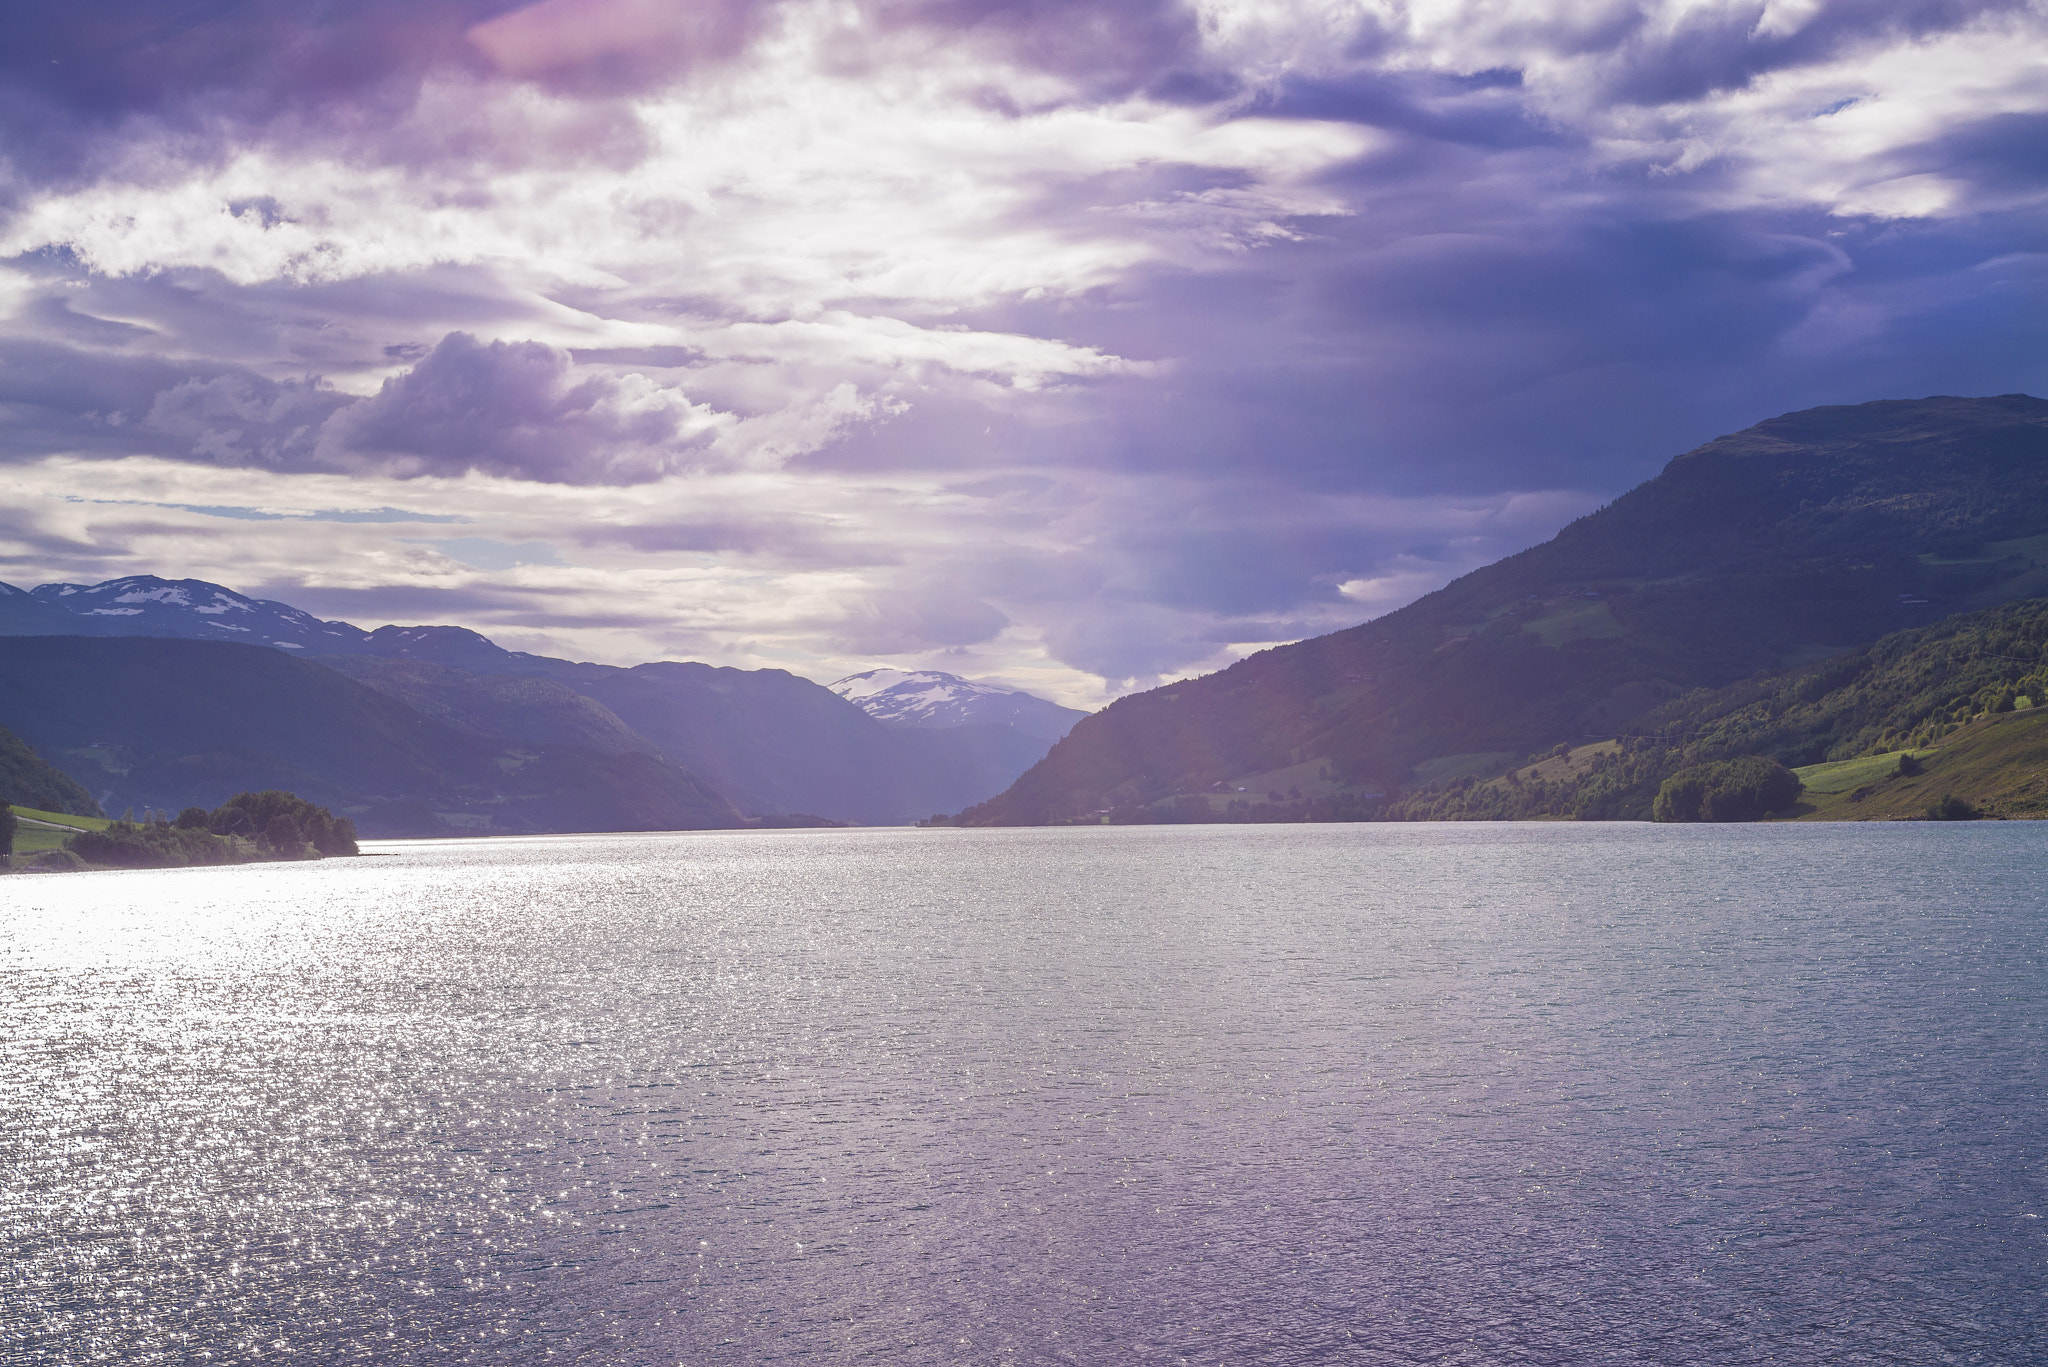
<point x="28" y="780"/>
<point x="1793" y="540"/>
<point x="158" y="723"/>
<point x="1942" y="695"/>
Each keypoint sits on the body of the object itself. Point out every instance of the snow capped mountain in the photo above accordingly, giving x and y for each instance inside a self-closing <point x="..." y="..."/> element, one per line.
<point x="192" y="609"/>
<point x="144" y="605"/>
<point x="767" y="739"/>
<point x="929" y="700"/>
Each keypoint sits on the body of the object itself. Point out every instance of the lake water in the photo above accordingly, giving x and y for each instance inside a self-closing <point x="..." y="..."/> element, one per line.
<point x="1248" y="1095"/>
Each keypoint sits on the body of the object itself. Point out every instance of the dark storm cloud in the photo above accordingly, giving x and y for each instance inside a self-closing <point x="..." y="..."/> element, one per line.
<point x="117" y="57"/>
<point x="505" y="408"/>
<point x="1998" y="156"/>
<point x="1718" y="49"/>
<point x="516" y="409"/>
<point x="55" y="398"/>
<point x="244" y="420"/>
<point x="1483" y="108"/>
<point x="74" y="78"/>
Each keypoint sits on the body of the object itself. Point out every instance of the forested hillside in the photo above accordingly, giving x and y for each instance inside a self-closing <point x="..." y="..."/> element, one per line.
<point x="1910" y="693"/>
<point x="28" y="780"/>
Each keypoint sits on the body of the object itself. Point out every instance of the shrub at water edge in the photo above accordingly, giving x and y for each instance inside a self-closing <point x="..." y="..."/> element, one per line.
<point x="1949" y="807"/>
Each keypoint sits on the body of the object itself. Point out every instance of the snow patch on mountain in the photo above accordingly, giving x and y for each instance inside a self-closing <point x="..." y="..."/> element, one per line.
<point x="193" y="608"/>
<point x="932" y="699"/>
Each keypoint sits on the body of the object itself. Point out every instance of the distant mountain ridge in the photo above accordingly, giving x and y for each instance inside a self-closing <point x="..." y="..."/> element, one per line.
<point x="168" y="723"/>
<point x="931" y="699"/>
<point x="771" y="742"/>
<point x="1790" y="541"/>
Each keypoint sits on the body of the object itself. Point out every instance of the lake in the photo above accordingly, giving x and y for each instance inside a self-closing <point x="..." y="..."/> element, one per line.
<point x="1208" y="1095"/>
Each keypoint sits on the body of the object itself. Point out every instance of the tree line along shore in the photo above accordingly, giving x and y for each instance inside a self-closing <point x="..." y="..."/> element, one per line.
<point x="249" y="828"/>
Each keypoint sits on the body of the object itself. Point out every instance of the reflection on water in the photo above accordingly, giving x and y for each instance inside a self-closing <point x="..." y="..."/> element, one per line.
<point x="1206" y="1095"/>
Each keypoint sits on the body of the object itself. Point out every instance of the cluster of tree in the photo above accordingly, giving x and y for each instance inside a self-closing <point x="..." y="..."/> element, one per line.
<point x="1620" y="785"/>
<point x="153" y="845"/>
<point x="247" y="827"/>
<point x="280" y="822"/>
<point x="7" y="828"/>
<point x="1196" y="811"/>
<point x="1746" y="789"/>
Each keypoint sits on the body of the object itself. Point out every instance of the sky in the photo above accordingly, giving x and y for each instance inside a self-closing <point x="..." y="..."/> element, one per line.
<point x="1079" y="346"/>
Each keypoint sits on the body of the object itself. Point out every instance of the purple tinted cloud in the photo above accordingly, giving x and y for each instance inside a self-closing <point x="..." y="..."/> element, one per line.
<point x="1165" y="311"/>
<point x="506" y="408"/>
<point x="514" y="409"/>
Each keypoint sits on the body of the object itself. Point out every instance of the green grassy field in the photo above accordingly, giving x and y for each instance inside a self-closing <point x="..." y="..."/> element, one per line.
<point x="1842" y="775"/>
<point x="37" y="831"/>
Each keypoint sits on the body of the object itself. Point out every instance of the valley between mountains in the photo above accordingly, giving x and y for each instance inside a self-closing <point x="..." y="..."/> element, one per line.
<point x="1858" y="594"/>
<point x="149" y="693"/>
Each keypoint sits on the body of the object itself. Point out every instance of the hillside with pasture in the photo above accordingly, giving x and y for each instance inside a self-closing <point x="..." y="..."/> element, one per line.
<point x="1955" y="709"/>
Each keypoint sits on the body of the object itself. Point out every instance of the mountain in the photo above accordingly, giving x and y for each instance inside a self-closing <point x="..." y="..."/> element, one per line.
<point x="524" y="708"/>
<point x="29" y="780"/>
<point x="931" y="700"/>
<point x="192" y="609"/>
<point x="144" y="605"/>
<point x="167" y="723"/>
<point x="773" y="742"/>
<point x="1793" y="540"/>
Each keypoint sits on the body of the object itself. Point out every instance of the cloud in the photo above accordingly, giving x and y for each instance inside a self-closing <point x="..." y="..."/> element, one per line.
<point x="514" y="408"/>
<point x="242" y="420"/>
<point x="518" y="409"/>
<point x="1051" y="338"/>
<point x="915" y="621"/>
<point x="602" y="45"/>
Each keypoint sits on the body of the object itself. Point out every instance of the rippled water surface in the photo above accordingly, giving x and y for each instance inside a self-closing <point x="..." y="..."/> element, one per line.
<point x="1346" y="1094"/>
